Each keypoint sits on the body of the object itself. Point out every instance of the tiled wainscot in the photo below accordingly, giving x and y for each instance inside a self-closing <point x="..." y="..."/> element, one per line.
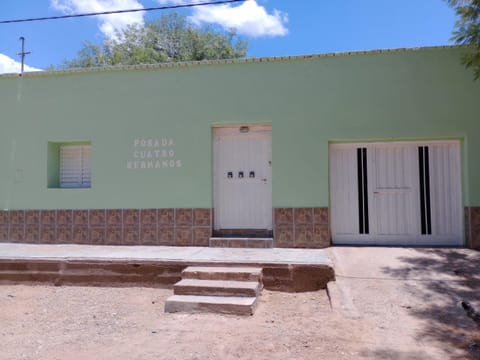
<point x="175" y="227"/>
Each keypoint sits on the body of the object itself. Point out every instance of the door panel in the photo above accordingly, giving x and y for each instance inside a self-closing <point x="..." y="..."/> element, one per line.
<point x="394" y="191"/>
<point x="343" y="173"/>
<point x="445" y="190"/>
<point x="242" y="178"/>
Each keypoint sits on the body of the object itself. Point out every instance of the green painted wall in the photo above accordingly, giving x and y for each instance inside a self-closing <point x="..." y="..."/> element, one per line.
<point x="309" y="102"/>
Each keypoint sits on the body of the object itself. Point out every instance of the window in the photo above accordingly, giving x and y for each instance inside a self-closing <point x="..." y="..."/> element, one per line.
<point x="75" y="166"/>
<point x="69" y="165"/>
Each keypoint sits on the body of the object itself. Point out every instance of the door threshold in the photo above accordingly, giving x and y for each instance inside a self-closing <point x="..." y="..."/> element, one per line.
<point x="242" y="233"/>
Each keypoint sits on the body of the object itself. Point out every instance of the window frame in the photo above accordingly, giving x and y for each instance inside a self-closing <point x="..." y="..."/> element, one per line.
<point x="55" y="178"/>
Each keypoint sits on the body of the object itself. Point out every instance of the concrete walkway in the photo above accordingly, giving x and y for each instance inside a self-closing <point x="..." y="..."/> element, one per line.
<point x="411" y="299"/>
<point x="165" y="254"/>
<point x="283" y="269"/>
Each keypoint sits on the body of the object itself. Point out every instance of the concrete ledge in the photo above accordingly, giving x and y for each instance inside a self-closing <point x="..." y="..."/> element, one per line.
<point x="291" y="270"/>
<point x="90" y="272"/>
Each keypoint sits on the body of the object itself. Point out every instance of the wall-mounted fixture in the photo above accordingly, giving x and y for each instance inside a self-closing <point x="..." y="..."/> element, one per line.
<point x="244" y="129"/>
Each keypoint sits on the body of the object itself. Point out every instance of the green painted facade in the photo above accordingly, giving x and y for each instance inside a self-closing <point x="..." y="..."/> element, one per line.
<point x="310" y="102"/>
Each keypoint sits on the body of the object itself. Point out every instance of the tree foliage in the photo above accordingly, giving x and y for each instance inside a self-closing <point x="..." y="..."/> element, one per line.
<point x="171" y="38"/>
<point x="467" y="31"/>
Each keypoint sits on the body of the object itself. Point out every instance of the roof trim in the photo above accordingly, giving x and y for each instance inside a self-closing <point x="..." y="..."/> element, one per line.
<point x="224" y="62"/>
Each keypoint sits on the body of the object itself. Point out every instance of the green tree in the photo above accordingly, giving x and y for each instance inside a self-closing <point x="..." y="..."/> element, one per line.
<point x="467" y="31"/>
<point x="171" y="38"/>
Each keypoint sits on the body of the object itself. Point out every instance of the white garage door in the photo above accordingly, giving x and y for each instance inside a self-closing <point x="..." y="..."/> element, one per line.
<point x="397" y="193"/>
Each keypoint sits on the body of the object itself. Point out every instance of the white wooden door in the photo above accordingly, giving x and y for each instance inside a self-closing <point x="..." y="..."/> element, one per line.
<point x="397" y="193"/>
<point x="242" y="177"/>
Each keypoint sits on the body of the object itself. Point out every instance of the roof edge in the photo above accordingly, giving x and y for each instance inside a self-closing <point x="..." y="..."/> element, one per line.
<point x="223" y="62"/>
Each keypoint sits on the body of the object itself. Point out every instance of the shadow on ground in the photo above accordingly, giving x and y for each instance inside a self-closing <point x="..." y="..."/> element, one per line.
<point x="389" y="354"/>
<point x="441" y="279"/>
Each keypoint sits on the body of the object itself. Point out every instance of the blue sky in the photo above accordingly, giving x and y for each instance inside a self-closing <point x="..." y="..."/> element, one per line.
<point x="274" y="27"/>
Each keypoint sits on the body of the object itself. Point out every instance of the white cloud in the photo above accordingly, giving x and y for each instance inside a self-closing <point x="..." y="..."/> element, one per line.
<point x="108" y="23"/>
<point x="249" y="18"/>
<point x="10" y="66"/>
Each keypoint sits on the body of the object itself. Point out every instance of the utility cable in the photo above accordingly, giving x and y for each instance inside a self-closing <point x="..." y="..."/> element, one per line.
<point x="122" y="11"/>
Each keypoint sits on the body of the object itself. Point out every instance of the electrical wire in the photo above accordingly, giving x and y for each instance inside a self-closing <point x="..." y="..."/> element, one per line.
<point x="121" y="11"/>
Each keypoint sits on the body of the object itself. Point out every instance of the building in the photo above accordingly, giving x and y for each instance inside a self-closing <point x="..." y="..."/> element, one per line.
<point x="374" y="147"/>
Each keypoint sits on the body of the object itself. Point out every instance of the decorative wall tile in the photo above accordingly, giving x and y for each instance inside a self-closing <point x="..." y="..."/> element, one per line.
<point x="113" y="235"/>
<point x="183" y="217"/>
<point x="166" y="236"/>
<point x="96" y="217"/>
<point x="16" y="233"/>
<point x="301" y="227"/>
<point x="32" y="233"/>
<point x="320" y="216"/>
<point x="283" y="236"/>
<point x="131" y="235"/>
<point x="148" y="217"/>
<point x="474" y="216"/>
<point x="166" y="217"/>
<point x="201" y="236"/>
<point x="303" y="215"/>
<point x="472" y="226"/>
<point x="64" y="217"/>
<point x="183" y="236"/>
<point x="303" y="235"/>
<point x="97" y="235"/>
<point x="148" y="235"/>
<point x="48" y="234"/>
<point x="4" y="217"/>
<point x="181" y="227"/>
<point x="3" y="233"/>
<point x="131" y="217"/>
<point x="475" y="237"/>
<point x="283" y="216"/>
<point x="80" y="217"/>
<point x="321" y="236"/>
<point x="17" y="217"/>
<point x="201" y="217"/>
<point x="32" y="217"/>
<point x="114" y="217"/>
<point x="65" y="234"/>
<point x="48" y="217"/>
<point x="81" y="235"/>
<point x="467" y="227"/>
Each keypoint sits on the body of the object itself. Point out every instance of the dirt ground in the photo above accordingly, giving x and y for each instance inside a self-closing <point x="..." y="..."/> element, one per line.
<point x="48" y="322"/>
<point x="387" y="304"/>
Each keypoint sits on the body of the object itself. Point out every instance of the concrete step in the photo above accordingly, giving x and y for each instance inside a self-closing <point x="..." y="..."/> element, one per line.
<point x="212" y="304"/>
<point x="217" y="288"/>
<point x="236" y="242"/>
<point x="222" y="273"/>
